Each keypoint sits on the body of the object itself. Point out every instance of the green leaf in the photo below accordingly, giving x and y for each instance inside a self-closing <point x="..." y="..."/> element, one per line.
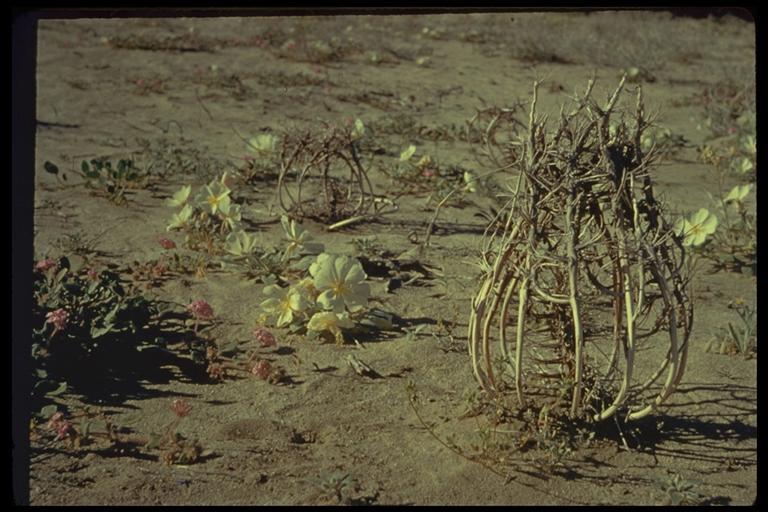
<point x="48" y="411"/>
<point x="97" y="332"/>
<point x="155" y="441"/>
<point x="85" y="168"/>
<point x="59" y="390"/>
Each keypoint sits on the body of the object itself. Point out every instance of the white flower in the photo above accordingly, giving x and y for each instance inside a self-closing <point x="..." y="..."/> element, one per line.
<point x="408" y="153"/>
<point x="284" y="303"/>
<point x="214" y="194"/>
<point x="240" y="243"/>
<point x="181" y="218"/>
<point x="469" y="182"/>
<point x="340" y="281"/>
<point x="330" y="322"/>
<point x="359" y="129"/>
<point x="737" y="193"/>
<point x="299" y="239"/>
<point x="229" y="213"/>
<point x="180" y="198"/>
<point x="263" y="144"/>
<point x="695" y="231"/>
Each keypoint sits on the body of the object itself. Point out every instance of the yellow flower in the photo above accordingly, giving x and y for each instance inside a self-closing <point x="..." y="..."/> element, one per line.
<point x="695" y="231"/>
<point x="340" y="280"/>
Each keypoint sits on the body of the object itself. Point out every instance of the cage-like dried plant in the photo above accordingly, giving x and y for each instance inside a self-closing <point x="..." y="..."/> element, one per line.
<point x="322" y="175"/>
<point x="584" y="292"/>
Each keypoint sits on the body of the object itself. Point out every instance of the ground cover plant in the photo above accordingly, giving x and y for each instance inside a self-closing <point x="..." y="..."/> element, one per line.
<point x="361" y="260"/>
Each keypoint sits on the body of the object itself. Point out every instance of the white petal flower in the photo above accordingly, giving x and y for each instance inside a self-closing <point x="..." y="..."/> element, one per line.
<point x="696" y="230"/>
<point x="180" y="198"/>
<point x="327" y="321"/>
<point x="240" y="243"/>
<point x="737" y="193"/>
<point x="299" y="239"/>
<point x="408" y="153"/>
<point x="181" y="218"/>
<point x="284" y="303"/>
<point x="214" y="194"/>
<point x="340" y="281"/>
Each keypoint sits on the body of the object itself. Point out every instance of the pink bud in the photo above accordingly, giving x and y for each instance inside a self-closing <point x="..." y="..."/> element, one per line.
<point x="264" y="337"/>
<point x="201" y="309"/>
<point x="46" y="264"/>
<point x="166" y="243"/>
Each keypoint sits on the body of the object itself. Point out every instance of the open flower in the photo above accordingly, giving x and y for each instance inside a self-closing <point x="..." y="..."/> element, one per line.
<point x="340" y="281"/>
<point x="327" y="321"/>
<point x="695" y="231"/>
<point x="737" y="193"/>
<point x="181" y="218"/>
<point x="229" y="213"/>
<point x="284" y="303"/>
<point x="180" y="198"/>
<point x="299" y="239"/>
<point x="201" y="310"/>
<point x="240" y="243"/>
<point x="263" y="144"/>
<point x="214" y="194"/>
<point x="58" y="317"/>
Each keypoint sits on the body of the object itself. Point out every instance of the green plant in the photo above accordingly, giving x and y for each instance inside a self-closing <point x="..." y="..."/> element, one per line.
<point x="208" y="218"/>
<point x="78" y="316"/>
<point x="678" y="490"/>
<point x="740" y="338"/>
<point x="113" y="182"/>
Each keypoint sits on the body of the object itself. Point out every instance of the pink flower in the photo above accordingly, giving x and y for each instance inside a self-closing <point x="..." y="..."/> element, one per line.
<point x="166" y="243"/>
<point x="64" y="430"/>
<point x="140" y="82"/>
<point x="55" y="419"/>
<point x="201" y="309"/>
<point x="92" y="274"/>
<point x="428" y="172"/>
<point x="58" y="318"/>
<point x="262" y="369"/>
<point x="46" y="264"/>
<point x="62" y="427"/>
<point x="180" y="407"/>
<point x="264" y="337"/>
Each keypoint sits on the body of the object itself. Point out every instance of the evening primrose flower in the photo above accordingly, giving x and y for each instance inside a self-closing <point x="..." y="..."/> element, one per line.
<point x="408" y="153"/>
<point x="229" y="213"/>
<point x="215" y="192"/>
<point x="695" y="231"/>
<point x="240" y="243"/>
<point x="181" y="218"/>
<point x="284" y="303"/>
<point x="328" y="321"/>
<point x="263" y="144"/>
<point x="340" y="281"/>
<point x="180" y="198"/>
<point x="299" y="239"/>
<point x="737" y="193"/>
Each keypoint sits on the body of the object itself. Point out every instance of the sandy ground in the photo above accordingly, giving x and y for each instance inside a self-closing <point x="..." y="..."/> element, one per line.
<point x="106" y="85"/>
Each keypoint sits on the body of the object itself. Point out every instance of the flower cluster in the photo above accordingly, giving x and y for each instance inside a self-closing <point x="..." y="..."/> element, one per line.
<point x="265" y="338"/>
<point x="63" y="428"/>
<point x="180" y="407"/>
<point x="46" y="264"/>
<point x="323" y="301"/>
<point x="201" y="310"/>
<point x="210" y="215"/>
<point x="59" y="318"/>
